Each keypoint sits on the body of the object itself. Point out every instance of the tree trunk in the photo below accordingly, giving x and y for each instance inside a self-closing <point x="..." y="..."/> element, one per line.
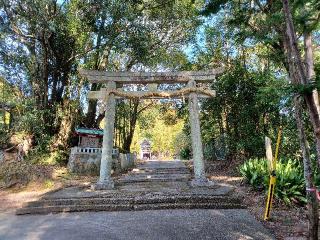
<point x="298" y="75"/>
<point x="67" y="122"/>
<point x="309" y="64"/>
<point x="132" y="124"/>
<point x="312" y="204"/>
<point x="92" y="107"/>
<point x="45" y="70"/>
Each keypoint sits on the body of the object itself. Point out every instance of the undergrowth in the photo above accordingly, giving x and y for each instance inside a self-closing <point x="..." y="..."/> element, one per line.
<point x="290" y="183"/>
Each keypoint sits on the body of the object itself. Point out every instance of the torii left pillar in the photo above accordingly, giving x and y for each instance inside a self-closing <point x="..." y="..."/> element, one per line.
<point x="200" y="179"/>
<point x="105" y="181"/>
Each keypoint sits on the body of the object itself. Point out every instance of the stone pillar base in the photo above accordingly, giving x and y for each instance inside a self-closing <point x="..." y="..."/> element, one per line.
<point x="201" y="182"/>
<point x="107" y="185"/>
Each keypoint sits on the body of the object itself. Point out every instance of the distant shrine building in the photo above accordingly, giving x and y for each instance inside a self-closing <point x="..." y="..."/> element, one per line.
<point x="145" y="149"/>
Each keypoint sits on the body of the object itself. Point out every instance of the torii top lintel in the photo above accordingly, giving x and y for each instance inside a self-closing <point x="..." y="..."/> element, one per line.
<point x="95" y="76"/>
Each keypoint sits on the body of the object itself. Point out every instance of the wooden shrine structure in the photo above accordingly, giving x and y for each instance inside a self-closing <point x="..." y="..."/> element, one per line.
<point x="113" y="89"/>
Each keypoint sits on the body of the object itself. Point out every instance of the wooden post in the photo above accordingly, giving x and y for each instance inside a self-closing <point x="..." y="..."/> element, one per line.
<point x="268" y="151"/>
<point x="198" y="161"/>
<point x="105" y="181"/>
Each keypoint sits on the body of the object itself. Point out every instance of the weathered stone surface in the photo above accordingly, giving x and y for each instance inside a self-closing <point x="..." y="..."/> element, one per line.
<point x="157" y="171"/>
<point x="127" y="160"/>
<point x="105" y="185"/>
<point x="125" y="203"/>
<point x="85" y="163"/>
<point x="89" y="163"/>
<point x="197" y="149"/>
<point x="201" y="182"/>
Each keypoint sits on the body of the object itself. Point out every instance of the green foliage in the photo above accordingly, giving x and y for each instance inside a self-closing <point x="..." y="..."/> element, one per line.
<point x="213" y="7"/>
<point x="33" y="120"/>
<point x="42" y="155"/>
<point x="40" y="52"/>
<point x="244" y="110"/>
<point x="161" y="125"/>
<point x="42" y="43"/>
<point x="290" y="184"/>
<point x="255" y="171"/>
<point x="185" y="153"/>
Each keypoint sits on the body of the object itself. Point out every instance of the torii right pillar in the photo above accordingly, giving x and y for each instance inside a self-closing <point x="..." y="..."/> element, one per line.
<point x="198" y="160"/>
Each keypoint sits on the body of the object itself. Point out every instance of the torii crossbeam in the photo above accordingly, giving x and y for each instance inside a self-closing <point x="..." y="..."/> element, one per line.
<point x="110" y="93"/>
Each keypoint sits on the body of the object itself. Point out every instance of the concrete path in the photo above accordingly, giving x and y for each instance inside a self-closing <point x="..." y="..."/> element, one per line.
<point x="162" y="224"/>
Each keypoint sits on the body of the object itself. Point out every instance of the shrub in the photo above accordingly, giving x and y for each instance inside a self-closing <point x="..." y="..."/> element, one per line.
<point x="20" y="173"/>
<point x="290" y="184"/>
<point x="185" y="153"/>
<point x="45" y="157"/>
<point x="255" y="171"/>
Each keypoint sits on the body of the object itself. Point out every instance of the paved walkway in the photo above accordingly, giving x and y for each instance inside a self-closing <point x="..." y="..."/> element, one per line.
<point x="195" y="224"/>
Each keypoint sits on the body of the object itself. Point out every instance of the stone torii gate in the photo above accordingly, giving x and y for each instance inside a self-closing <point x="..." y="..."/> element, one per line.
<point x="111" y="92"/>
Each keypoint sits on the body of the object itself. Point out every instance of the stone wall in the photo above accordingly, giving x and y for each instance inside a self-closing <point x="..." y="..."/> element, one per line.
<point x="127" y="161"/>
<point x="86" y="161"/>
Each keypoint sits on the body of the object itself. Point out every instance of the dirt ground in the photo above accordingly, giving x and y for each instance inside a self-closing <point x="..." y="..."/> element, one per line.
<point x="15" y="196"/>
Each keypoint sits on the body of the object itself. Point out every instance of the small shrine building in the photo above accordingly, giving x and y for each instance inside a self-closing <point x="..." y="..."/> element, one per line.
<point x="145" y="149"/>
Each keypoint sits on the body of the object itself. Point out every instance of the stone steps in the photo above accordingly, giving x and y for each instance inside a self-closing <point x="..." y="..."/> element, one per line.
<point x="148" y="198"/>
<point x="149" y="168"/>
<point x="152" y="186"/>
<point x="155" y="176"/>
<point x="67" y="208"/>
<point x="146" y="202"/>
<point x="156" y="171"/>
<point x="188" y="206"/>
<point x="154" y="180"/>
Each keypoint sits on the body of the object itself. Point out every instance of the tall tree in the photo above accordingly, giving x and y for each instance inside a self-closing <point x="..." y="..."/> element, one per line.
<point x="39" y="45"/>
<point x="301" y="75"/>
<point x="136" y="36"/>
